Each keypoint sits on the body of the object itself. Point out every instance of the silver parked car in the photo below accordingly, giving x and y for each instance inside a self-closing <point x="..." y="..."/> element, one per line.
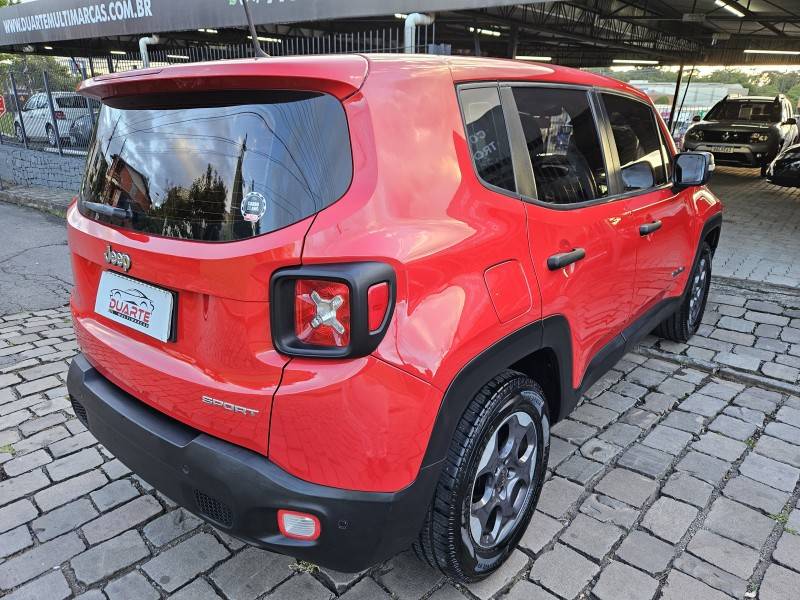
<point x="38" y="119"/>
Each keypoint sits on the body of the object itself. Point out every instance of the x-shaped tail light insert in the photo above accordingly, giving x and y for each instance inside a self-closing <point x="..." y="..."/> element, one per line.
<point x="326" y="312"/>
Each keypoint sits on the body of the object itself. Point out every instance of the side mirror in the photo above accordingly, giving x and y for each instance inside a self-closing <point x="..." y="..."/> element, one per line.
<point x="693" y="168"/>
<point x="696" y="119"/>
<point x="638" y="176"/>
<point x="790" y="121"/>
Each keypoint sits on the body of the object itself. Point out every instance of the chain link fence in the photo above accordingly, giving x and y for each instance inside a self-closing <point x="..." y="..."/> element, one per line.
<point x="683" y="118"/>
<point x="43" y="111"/>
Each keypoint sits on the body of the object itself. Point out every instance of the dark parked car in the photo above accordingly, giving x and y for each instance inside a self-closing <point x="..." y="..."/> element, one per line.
<point x="81" y="131"/>
<point x="747" y="131"/>
<point x="785" y="169"/>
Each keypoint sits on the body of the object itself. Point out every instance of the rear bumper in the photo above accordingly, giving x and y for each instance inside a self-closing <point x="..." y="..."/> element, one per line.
<point x="240" y="491"/>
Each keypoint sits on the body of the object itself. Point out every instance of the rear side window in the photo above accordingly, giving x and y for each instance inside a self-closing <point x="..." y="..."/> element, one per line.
<point x="563" y="143"/>
<point x="637" y="140"/>
<point x="216" y="167"/>
<point x="488" y="137"/>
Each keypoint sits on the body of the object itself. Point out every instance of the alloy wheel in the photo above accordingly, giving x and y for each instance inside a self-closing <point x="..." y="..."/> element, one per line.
<point x="504" y="480"/>
<point x="698" y="291"/>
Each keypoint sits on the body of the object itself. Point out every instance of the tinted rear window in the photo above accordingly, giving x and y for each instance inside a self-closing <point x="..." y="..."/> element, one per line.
<point x="488" y="138"/>
<point x="70" y="102"/>
<point x="220" y="169"/>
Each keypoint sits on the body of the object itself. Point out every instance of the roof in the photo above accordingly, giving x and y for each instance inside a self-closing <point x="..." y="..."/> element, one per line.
<point x="338" y="74"/>
<point x="754" y="98"/>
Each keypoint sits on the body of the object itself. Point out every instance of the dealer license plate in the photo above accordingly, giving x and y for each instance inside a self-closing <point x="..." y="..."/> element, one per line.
<point x="140" y="306"/>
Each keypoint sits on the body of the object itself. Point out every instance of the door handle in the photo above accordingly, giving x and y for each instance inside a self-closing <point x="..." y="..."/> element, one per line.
<point x="649" y="228"/>
<point x="559" y="261"/>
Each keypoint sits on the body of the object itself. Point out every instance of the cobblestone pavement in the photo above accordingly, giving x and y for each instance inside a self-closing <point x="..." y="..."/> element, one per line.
<point x="676" y="478"/>
<point x="761" y="229"/>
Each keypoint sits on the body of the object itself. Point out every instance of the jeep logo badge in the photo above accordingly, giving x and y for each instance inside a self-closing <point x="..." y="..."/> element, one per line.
<point x="118" y="259"/>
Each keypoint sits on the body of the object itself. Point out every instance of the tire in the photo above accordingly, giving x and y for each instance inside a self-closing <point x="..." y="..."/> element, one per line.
<point x="507" y="412"/>
<point x="685" y="321"/>
<point x="18" y="132"/>
<point x="51" y="136"/>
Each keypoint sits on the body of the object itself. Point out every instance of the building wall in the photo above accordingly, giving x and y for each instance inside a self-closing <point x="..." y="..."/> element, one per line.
<point x="19" y="166"/>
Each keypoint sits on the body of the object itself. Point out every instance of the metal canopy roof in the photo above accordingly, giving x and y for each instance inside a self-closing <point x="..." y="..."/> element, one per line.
<point x="595" y="32"/>
<point x="572" y="32"/>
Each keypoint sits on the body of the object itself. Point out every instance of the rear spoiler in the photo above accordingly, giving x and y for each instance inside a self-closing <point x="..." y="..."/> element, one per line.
<point x="340" y="76"/>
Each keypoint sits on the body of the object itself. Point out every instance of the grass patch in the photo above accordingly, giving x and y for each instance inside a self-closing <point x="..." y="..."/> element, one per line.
<point x="750" y="443"/>
<point x="7" y="449"/>
<point x="302" y="566"/>
<point x="783" y="519"/>
<point x="7" y="124"/>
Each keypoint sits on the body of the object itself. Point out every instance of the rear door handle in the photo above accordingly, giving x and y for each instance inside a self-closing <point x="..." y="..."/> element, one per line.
<point x="649" y="228"/>
<point x="559" y="261"/>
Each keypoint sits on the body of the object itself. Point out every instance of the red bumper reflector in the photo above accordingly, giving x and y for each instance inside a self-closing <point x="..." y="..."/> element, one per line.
<point x="298" y="526"/>
<point x="378" y="302"/>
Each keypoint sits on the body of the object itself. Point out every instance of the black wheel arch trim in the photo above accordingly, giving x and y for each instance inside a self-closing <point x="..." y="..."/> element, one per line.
<point x="552" y="333"/>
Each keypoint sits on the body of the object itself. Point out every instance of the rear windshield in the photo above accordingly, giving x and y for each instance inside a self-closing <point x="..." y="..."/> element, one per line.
<point x="745" y="110"/>
<point x="220" y="169"/>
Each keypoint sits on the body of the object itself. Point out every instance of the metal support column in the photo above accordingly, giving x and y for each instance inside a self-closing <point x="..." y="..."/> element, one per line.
<point x="19" y="111"/>
<point x="672" y="115"/>
<point x="52" y="112"/>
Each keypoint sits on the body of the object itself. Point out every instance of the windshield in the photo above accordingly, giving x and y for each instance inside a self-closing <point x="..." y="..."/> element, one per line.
<point x="745" y="110"/>
<point x="219" y="169"/>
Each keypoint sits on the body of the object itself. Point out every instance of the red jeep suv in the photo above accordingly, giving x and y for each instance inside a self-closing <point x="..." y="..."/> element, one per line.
<point x="333" y="304"/>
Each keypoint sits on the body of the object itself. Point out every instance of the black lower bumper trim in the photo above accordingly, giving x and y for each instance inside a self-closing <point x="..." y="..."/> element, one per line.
<point x="240" y="491"/>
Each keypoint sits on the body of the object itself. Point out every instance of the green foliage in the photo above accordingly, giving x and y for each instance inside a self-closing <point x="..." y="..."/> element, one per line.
<point x="302" y="566"/>
<point x="7" y="127"/>
<point x="8" y="2"/>
<point x="766" y="83"/>
<point x="28" y="68"/>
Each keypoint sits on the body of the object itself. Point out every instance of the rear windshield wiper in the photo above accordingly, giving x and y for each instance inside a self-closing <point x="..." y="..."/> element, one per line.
<point x="109" y="211"/>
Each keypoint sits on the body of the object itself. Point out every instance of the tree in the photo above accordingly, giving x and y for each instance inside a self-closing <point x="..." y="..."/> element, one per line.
<point x="27" y="69"/>
<point x="8" y="2"/>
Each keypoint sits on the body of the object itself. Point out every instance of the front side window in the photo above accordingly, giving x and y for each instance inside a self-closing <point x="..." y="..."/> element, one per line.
<point x="638" y="142"/>
<point x="488" y="137"/>
<point x="216" y="167"/>
<point x="563" y="143"/>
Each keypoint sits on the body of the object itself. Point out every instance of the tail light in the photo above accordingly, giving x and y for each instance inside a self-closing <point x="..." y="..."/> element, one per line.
<point x="334" y="311"/>
<point x="322" y="312"/>
<point x="60" y="115"/>
<point x="298" y="526"/>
